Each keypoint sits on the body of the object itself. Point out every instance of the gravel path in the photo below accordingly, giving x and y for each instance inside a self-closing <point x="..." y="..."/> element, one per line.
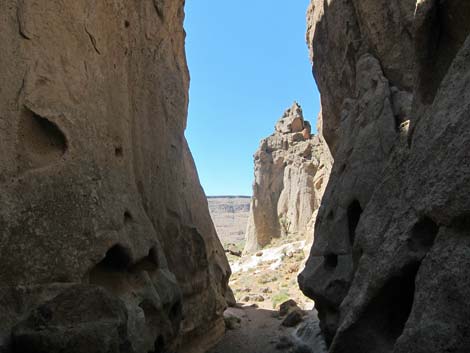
<point x="260" y="331"/>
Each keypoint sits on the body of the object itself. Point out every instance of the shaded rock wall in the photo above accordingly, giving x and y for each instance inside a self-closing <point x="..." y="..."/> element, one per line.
<point x="101" y="211"/>
<point x="389" y="266"/>
<point x="291" y="172"/>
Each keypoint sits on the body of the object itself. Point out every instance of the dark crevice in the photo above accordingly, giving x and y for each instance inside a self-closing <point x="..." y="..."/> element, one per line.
<point x="159" y="345"/>
<point x="439" y="39"/>
<point x="175" y="312"/>
<point x="118" y="151"/>
<point x="330" y="261"/>
<point x="92" y="40"/>
<point x="128" y="217"/>
<point x="423" y="235"/>
<point x="384" y="318"/>
<point x="117" y="259"/>
<point x="354" y="215"/>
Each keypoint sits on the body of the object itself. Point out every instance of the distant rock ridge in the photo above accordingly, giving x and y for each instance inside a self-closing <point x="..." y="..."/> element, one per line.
<point x="230" y="215"/>
<point x="390" y="266"/>
<point x="229" y="197"/>
<point x="291" y="171"/>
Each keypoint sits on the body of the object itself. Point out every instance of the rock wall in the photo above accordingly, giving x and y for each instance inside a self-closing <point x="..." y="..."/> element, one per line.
<point x="106" y="243"/>
<point x="291" y="172"/>
<point x="389" y="266"/>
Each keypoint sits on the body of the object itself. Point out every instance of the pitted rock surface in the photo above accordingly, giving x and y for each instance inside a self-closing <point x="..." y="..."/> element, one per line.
<point x="389" y="266"/>
<point x="98" y="189"/>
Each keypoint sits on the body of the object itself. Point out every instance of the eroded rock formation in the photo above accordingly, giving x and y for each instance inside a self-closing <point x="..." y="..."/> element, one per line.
<point x="389" y="268"/>
<point x="106" y="243"/>
<point x="291" y="171"/>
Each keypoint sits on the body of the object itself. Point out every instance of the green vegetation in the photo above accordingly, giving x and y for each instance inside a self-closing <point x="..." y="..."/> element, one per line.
<point x="285" y="224"/>
<point x="280" y="298"/>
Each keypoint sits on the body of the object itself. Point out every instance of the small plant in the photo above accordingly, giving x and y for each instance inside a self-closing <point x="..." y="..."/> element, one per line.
<point x="285" y="225"/>
<point x="279" y="298"/>
<point x="266" y="278"/>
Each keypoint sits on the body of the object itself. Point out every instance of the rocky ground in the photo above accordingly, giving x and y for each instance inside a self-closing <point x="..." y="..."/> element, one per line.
<point x="269" y="276"/>
<point x="271" y="314"/>
<point x="256" y="330"/>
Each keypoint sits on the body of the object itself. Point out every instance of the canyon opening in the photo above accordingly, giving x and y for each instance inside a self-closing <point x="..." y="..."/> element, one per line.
<point x="352" y="236"/>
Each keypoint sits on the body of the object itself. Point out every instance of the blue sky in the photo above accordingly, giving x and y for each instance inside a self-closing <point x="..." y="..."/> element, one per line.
<point x="248" y="62"/>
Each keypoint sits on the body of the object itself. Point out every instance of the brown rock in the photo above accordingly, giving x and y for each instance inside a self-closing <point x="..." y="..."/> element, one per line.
<point x="291" y="172"/>
<point x="287" y="306"/>
<point x="232" y="249"/>
<point x="97" y="184"/>
<point x="294" y="318"/>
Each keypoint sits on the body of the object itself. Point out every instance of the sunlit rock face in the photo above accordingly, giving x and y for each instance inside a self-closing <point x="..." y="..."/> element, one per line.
<point x="389" y="268"/>
<point x="291" y="171"/>
<point x="106" y="243"/>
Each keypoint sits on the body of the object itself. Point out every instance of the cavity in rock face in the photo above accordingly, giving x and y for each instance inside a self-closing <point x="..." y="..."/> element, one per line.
<point x="41" y="142"/>
<point x="291" y="171"/>
<point x="396" y="198"/>
<point x="106" y="244"/>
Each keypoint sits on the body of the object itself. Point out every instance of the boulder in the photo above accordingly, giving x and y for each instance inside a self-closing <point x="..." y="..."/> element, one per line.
<point x="287" y="306"/>
<point x="294" y="318"/>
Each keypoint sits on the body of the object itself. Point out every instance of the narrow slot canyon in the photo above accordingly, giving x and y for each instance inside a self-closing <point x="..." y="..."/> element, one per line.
<point x="192" y="177"/>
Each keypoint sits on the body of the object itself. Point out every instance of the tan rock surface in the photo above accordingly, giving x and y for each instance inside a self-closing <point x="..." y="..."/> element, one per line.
<point x="291" y="173"/>
<point x="389" y="266"/>
<point x="97" y="185"/>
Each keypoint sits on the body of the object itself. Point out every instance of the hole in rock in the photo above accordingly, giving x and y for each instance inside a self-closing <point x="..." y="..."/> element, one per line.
<point x="127" y="23"/>
<point x="41" y="139"/>
<point x="128" y="217"/>
<point x="176" y="311"/>
<point x="423" y="235"/>
<point x="159" y="345"/>
<point x="118" y="152"/>
<point x="384" y="319"/>
<point x="354" y="214"/>
<point x="330" y="261"/>
<point x="117" y="258"/>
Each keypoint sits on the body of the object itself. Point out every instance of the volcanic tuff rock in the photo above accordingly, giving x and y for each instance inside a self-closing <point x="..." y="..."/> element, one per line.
<point x="389" y="268"/>
<point x="106" y="243"/>
<point x="291" y="171"/>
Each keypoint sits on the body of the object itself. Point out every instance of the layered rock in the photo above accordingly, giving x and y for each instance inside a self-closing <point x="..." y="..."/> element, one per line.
<point x="389" y="266"/>
<point x="291" y="171"/>
<point x="230" y="216"/>
<point x="106" y="243"/>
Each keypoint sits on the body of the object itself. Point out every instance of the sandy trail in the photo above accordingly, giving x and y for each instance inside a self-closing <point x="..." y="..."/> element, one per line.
<point x="261" y="332"/>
